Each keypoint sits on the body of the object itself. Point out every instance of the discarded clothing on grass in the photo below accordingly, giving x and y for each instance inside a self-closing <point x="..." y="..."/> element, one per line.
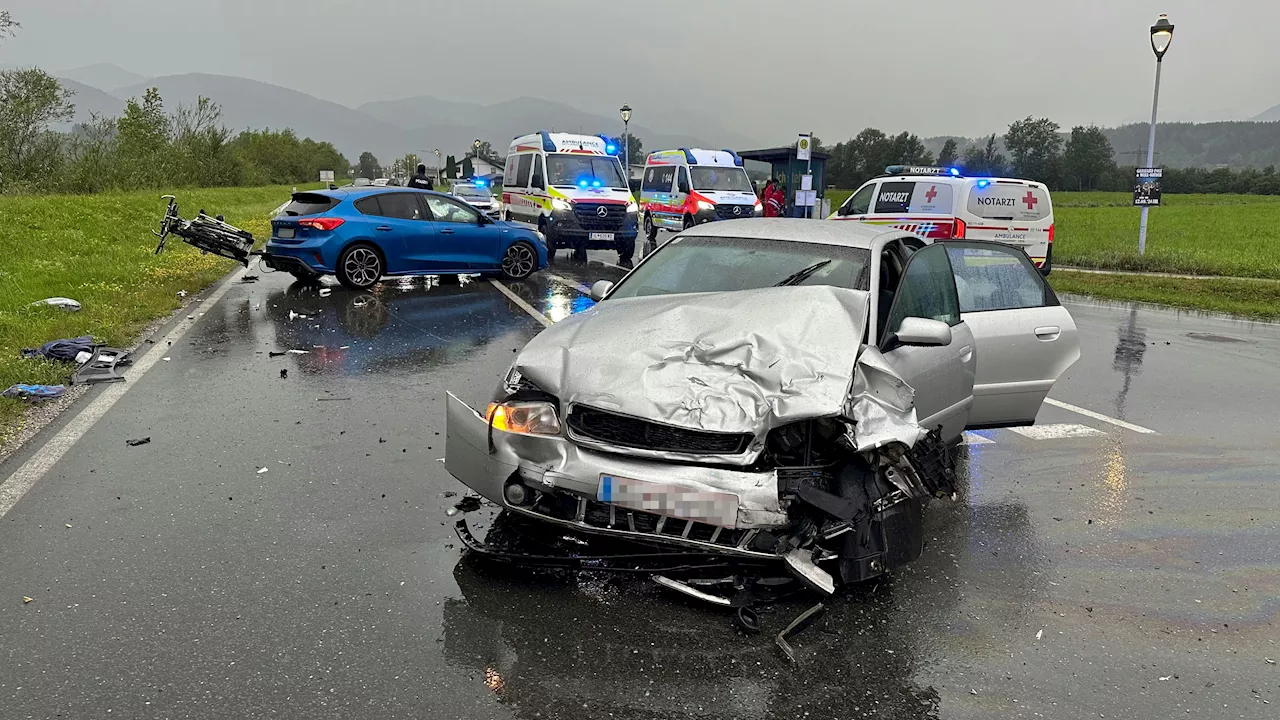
<point x="34" y="392"/>
<point x="65" y="350"/>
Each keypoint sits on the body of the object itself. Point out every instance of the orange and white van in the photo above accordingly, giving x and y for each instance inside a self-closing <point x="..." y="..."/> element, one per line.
<point x="685" y="187"/>
<point x="941" y="204"/>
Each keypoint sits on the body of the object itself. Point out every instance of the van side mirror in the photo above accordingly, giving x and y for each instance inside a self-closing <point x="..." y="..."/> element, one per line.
<point x="602" y="288"/>
<point x="684" y="188"/>
<point x="923" y="332"/>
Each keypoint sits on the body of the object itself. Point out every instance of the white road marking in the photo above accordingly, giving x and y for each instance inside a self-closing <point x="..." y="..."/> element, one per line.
<point x="970" y="438"/>
<point x="570" y="283"/>
<point x="1099" y="416"/>
<point x="1056" y="431"/>
<point x="546" y="321"/>
<point x="25" y="477"/>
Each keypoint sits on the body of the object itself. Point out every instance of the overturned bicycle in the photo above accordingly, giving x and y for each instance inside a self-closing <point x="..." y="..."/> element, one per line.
<point x="773" y="391"/>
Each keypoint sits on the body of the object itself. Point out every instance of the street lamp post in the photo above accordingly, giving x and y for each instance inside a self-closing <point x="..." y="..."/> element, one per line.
<point x="625" y="112"/>
<point x="475" y="155"/>
<point x="437" y="152"/>
<point x="1161" y="36"/>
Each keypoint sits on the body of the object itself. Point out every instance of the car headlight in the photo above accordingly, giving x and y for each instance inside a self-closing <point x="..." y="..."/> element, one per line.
<point x="524" y="418"/>
<point x="633" y="207"/>
<point x="558" y="204"/>
<point x="704" y="205"/>
<point x="759" y="207"/>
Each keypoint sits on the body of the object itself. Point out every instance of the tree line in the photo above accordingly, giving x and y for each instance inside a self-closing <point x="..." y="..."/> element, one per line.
<point x="1033" y="149"/>
<point x="146" y="147"/>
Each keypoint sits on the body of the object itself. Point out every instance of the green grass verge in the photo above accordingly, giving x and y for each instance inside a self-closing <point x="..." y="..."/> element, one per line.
<point x="1190" y="234"/>
<point x="99" y="250"/>
<point x="1252" y="298"/>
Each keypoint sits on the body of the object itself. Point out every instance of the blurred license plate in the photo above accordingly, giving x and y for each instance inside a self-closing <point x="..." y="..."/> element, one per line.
<point x="285" y="233"/>
<point x="601" y="236"/>
<point x="669" y="500"/>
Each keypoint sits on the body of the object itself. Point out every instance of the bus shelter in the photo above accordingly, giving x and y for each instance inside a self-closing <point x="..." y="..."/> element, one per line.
<point x="786" y="168"/>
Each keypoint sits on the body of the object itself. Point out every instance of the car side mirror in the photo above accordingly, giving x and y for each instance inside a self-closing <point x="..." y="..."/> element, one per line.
<point x="482" y="220"/>
<point x="923" y="332"/>
<point x="602" y="288"/>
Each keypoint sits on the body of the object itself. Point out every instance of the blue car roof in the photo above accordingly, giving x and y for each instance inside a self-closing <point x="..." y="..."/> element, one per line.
<point x="344" y="192"/>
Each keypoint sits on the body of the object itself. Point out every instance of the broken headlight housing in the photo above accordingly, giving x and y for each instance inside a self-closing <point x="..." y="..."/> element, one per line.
<point x="524" y="418"/>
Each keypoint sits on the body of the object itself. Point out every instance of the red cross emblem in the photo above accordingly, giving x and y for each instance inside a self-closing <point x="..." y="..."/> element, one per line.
<point x="933" y="193"/>
<point x="1031" y="200"/>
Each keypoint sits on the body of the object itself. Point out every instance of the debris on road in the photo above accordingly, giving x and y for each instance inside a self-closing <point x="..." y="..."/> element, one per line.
<point x="139" y="441"/>
<point x="274" y="354"/>
<point x="299" y="352"/>
<point x="26" y="599"/>
<point x="182" y="293"/>
<point x="284" y="373"/>
<point x="294" y="315"/>
<point x="1040" y="634"/>
<point x="166" y="359"/>
<point x="802" y="621"/>
<point x="101" y="366"/>
<point x="331" y="399"/>
<point x="262" y="470"/>
<point x="249" y="279"/>
<point x="34" y="392"/>
<point x="324" y="292"/>
<point x="58" y="302"/>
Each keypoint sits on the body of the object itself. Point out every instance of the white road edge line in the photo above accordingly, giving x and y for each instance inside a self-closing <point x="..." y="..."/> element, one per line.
<point x="25" y="477"/>
<point x="1099" y="416"/>
<point x="546" y="321"/>
<point x="567" y="281"/>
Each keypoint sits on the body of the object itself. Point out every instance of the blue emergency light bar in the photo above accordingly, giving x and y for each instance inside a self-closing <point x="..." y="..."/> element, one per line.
<point x="688" y="156"/>
<point x="921" y="170"/>
<point x="480" y="183"/>
<point x="736" y="159"/>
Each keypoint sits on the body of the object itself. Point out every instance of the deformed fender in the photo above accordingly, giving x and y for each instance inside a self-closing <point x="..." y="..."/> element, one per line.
<point x="881" y="405"/>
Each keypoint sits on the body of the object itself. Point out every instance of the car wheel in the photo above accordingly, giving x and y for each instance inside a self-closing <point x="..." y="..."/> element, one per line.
<point x="510" y="217"/>
<point x="650" y="231"/>
<point x="519" y="261"/>
<point x="360" y="267"/>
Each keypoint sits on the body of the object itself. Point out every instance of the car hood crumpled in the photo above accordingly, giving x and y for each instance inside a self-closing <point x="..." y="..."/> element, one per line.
<point x="744" y="362"/>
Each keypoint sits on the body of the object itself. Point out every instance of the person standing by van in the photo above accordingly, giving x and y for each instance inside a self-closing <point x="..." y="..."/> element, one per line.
<point x="769" y="199"/>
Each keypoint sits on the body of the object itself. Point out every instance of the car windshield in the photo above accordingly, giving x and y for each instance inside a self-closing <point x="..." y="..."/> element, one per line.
<point x="472" y="192"/>
<point x="722" y="264"/>
<point x="732" y="179"/>
<point x="585" y="170"/>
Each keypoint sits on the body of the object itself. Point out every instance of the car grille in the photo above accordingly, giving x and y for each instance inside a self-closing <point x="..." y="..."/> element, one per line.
<point x="567" y="507"/>
<point x="625" y="431"/>
<point x="725" y="212"/>
<point x="588" y="216"/>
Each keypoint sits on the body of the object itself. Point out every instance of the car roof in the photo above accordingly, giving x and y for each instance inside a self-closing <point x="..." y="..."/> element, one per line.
<point x="952" y="180"/>
<point x="823" y="232"/>
<point x="362" y="190"/>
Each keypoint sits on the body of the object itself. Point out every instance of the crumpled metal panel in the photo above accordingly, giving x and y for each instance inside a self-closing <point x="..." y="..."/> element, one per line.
<point x="743" y="362"/>
<point x="881" y="404"/>
<point x="552" y="462"/>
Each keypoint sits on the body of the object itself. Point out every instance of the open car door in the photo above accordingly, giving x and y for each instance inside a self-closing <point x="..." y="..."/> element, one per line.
<point x="1023" y="336"/>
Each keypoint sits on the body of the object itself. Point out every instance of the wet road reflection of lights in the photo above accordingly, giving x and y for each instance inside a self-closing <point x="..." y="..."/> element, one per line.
<point x="558" y="306"/>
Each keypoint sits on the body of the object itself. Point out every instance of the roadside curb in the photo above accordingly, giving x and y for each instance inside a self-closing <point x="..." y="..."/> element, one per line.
<point x="1175" y="276"/>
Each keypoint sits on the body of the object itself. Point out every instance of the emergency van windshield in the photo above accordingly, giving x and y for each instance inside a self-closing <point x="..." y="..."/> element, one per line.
<point x="727" y="179"/>
<point x="584" y="171"/>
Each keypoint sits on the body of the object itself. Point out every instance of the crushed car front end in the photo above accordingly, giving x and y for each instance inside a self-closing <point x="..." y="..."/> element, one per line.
<point x="736" y="429"/>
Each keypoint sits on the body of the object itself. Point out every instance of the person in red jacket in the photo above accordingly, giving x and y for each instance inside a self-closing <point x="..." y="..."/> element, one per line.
<point x="772" y="199"/>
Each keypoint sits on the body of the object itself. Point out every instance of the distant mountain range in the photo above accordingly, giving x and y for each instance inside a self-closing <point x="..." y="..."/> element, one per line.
<point x="419" y="124"/>
<point x="389" y="129"/>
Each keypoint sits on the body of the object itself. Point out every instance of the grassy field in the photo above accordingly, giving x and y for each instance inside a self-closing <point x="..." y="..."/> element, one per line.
<point x="99" y="250"/>
<point x="1252" y="298"/>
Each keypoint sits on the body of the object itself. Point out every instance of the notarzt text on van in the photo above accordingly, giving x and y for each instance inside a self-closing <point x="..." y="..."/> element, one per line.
<point x="998" y="201"/>
<point x="895" y="197"/>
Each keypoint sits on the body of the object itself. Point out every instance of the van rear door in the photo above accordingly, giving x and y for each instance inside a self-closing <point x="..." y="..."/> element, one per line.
<point x="923" y="207"/>
<point x="1013" y="212"/>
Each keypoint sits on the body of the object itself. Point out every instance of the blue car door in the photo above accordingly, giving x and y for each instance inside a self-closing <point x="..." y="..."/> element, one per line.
<point x="464" y="240"/>
<point x="400" y="226"/>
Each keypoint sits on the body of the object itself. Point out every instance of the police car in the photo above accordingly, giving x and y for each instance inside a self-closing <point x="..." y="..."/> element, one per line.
<point x="942" y="204"/>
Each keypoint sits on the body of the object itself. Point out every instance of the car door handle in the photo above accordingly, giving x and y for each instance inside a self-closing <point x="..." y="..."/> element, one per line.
<point x="1048" y="333"/>
<point x="446" y="232"/>
<point x="966" y="353"/>
<point x="384" y="228"/>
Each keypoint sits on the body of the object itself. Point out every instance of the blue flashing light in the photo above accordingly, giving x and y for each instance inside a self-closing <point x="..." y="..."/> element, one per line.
<point x="480" y="183"/>
<point x="611" y="148"/>
<point x="582" y="183"/>
<point x="983" y="183"/>
<point x="955" y="172"/>
<point x="688" y="156"/>
<point x="595" y="184"/>
<point x="736" y="160"/>
<point x="547" y="144"/>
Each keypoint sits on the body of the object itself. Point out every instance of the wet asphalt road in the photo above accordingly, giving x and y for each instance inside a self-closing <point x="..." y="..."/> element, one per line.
<point x="1114" y="574"/>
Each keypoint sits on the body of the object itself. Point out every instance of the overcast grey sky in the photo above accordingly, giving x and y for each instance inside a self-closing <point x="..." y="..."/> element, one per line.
<point x="765" y="69"/>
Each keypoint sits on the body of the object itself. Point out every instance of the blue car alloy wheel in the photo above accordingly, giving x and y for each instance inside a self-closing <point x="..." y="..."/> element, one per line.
<point x="360" y="267"/>
<point x="519" y="261"/>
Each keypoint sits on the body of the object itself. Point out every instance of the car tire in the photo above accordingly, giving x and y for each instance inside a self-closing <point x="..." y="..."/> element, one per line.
<point x="519" y="261"/>
<point x="650" y="230"/>
<point x="510" y="217"/>
<point x="360" y="266"/>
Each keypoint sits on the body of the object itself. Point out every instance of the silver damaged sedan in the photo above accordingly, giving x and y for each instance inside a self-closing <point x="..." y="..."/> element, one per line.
<point x="771" y="389"/>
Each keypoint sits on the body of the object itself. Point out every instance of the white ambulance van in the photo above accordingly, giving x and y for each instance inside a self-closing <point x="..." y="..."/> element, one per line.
<point x="574" y="189"/>
<point x="684" y="187"/>
<point x="941" y="204"/>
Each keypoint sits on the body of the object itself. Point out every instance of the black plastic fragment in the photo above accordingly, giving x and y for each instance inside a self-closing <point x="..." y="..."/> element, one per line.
<point x="139" y="441"/>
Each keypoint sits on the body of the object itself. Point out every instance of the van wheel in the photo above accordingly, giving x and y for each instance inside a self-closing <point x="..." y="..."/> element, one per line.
<point x="688" y="221"/>
<point x="360" y="266"/>
<point x="510" y="217"/>
<point x="650" y="231"/>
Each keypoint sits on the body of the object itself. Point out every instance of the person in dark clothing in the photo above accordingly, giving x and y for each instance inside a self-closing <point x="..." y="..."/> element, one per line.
<point x="420" y="181"/>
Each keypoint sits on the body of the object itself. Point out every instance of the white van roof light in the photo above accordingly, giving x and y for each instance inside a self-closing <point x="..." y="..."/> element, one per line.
<point x="921" y="170"/>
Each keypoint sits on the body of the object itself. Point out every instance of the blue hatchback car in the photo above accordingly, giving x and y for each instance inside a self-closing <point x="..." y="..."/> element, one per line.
<point x="361" y="234"/>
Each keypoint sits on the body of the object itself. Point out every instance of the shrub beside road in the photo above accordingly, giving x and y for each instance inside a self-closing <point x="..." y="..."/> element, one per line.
<point x="99" y="250"/>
